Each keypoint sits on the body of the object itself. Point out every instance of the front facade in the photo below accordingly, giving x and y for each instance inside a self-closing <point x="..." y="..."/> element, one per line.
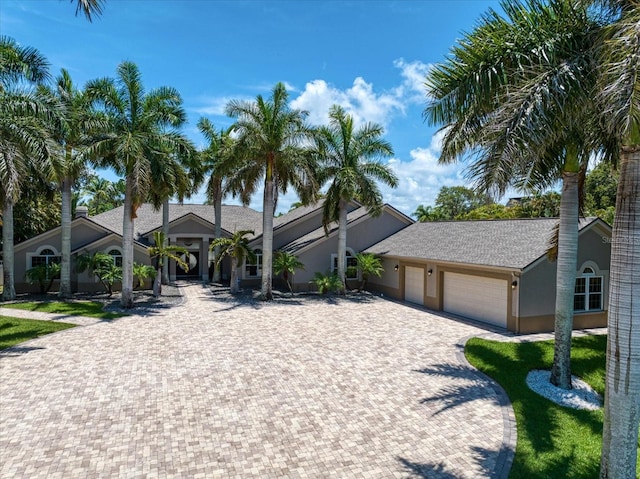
<point x="495" y="271"/>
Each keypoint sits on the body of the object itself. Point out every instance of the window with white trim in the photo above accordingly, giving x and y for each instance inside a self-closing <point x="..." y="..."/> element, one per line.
<point x="588" y="294"/>
<point x="45" y="256"/>
<point x="253" y="270"/>
<point x="350" y="264"/>
<point x="116" y="254"/>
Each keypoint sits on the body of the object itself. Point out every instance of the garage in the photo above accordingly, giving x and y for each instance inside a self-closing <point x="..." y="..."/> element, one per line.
<point x="476" y="297"/>
<point x="414" y="285"/>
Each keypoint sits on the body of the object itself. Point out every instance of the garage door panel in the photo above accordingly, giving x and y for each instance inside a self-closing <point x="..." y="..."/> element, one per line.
<point x="476" y="297"/>
<point x="414" y="285"/>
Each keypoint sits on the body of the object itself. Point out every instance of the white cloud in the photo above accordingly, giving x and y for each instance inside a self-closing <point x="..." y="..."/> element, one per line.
<point x="413" y="74"/>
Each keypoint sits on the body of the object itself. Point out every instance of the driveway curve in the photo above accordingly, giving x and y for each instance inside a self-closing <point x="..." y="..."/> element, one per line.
<point x="300" y="388"/>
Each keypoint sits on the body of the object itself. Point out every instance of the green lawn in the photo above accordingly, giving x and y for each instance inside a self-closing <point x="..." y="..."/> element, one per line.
<point x="91" y="309"/>
<point x="553" y="441"/>
<point x="18" y="330"/>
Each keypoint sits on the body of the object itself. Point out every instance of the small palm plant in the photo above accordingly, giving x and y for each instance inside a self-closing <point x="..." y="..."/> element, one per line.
<point x="237" y="248"/>
<point x="101" y="264"/>
<point x="286" y="264"/>
<point x="327" y="283"/>
<point x="161" y="252"/>
<point x="142" y="272"/>
<point x="44" y="275"/>
<point x="368" y="264"/>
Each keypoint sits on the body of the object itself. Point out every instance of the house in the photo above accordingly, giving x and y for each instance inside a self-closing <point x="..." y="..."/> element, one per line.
<point x="495" y="271"/>
<point x="299" y="231"/>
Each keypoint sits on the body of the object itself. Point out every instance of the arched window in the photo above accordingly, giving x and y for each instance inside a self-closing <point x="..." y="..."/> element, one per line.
<point x="253" y="270"/>
<point x="588" y="294"/>
<point x="350" y="263"/>
<point x="116" y="254"/>
<point x="45" y="256"/>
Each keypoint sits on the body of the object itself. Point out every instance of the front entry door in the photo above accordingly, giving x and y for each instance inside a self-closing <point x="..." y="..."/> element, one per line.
<point x="194" y="269"/>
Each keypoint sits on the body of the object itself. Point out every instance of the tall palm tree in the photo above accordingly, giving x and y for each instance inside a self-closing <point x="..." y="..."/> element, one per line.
<point x="24" y="136"/>
<point x="142" y="124"/>
<point x="216" y="162"/>
<point x="514" y="96"/>
<point x="238" y="249"/>
<point x="349" y="159"/>
<point x="74" y="132"/>
<point x="618" y="95"/>
<point x="269" y="145"/>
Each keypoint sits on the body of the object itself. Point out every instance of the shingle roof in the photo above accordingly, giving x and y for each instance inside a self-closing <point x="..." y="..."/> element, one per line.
<point x="502" y="243"/>
<point x="233" y="218"/>
<point x="319" y="233"/>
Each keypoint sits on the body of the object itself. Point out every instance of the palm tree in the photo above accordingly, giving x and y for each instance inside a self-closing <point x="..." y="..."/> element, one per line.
<point x="348" y="158"/>
<point x="213" y="161"/>
<point x="286" y="264"/>
<point x="89" y="8"/>
<point x="618" y="57"/>
<point x="102" y="265"/>
<point x="161" y="253"/>
<point x="238" y="249"/>
<point x="142" y="125"/>
<point x="72" y="134"/>
<point x="269" y="138"/>
<point x="515" y="96"/>
<point x="368" y="264"/>
<point x="24" y="136"/>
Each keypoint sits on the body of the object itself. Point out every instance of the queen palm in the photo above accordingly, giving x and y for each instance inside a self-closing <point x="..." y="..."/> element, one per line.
<point x="141" y="125"/>
<point x="238" y="249"/>
<point x="73" y="133"/>
<point x="216" y="162"/>
<point x="24" y="136"/>
<point x="269" y="146"/>
<point x="349" y="160"/>
<point x="515" y="96"/>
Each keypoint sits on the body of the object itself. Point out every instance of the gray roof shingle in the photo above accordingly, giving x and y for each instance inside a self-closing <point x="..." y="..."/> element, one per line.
<point x="502" y="243"/>
<point x="233" y="218"/>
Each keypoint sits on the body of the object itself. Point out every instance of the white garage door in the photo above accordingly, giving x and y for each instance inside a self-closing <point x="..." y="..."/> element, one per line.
<point x="414" y="285"/>
<point x="476" y="297"/>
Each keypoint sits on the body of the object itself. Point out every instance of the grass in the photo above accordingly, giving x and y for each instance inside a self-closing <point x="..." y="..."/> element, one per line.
<point x="553" y="441"/>
<point x="91" y="309"/>
<point x="18" y="330"/>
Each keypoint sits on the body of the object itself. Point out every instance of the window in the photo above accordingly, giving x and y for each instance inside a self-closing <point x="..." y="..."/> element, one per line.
<point x="351" y="264"/>
<point x="116" y="254"/>
<point x="588" y="291"/>
<point x="254" y="270"/>
<point x="45" y="257"/>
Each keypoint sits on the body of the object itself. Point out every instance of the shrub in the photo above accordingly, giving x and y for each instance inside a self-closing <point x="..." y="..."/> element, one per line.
<point x="327" y="283"/>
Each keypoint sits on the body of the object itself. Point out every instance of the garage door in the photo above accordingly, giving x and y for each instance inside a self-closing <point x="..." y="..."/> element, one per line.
<point x="414" y="285"/>
<point x="476" y="297"/>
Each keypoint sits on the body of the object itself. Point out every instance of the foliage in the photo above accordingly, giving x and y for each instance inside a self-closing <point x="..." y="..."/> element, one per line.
<point x="489" y="212"/>
<point x="17" y="330"/>
<point x="162" y="252"/>
<point x="44" y="275"/>
<point x="553" y="441"/>
<point x="141" y="273"/>
<point x="286" y="264"/>
<point x="327" y="283"/>
<point x="100" y="195"/>
<point x="38" y="209"/>
<point x="238" y="249"/>
<point x="428" y="213"/>
<point x="102" y="265"/>
<point x="454" y="201"/>
<point x="368" y="264"/>
<point x="91" y="309"/>
<point x="600" y="187"/>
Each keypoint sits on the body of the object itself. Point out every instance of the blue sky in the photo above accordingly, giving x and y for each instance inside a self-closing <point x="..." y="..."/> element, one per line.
<point x="368" y="56"/>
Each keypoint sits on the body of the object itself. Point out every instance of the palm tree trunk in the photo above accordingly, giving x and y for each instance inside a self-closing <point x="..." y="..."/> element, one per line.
<point x="157" y="282"/>
<point x="126" y="299"/>
<point x="165" y="230"/>
<point x="622" y="396"/>
<point x="342" y="244"/>
<point x="565" y="280"/>
<point x="267" y="233"/>
<point x="9" y="288"/>
<point x="65" y="227"/>
<point x="217" y="206"/>
<point x="234" y="288"/>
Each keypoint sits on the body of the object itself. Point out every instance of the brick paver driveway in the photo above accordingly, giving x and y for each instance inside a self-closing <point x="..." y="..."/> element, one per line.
<point x="313" y="388"/>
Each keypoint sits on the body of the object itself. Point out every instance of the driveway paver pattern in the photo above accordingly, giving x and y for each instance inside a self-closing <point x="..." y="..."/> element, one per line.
<point x="315" y="388"/>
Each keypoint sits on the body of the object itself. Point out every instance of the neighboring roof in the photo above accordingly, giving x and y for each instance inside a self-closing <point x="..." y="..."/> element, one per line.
<point x="501" y="243"/>
<point x="148" y="219"/>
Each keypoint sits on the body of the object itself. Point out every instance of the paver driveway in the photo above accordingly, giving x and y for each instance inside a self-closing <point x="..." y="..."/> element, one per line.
<point x="353" y="389"/>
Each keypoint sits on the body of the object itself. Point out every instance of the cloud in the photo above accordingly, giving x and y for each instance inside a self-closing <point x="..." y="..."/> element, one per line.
<point x="413" y="74"/>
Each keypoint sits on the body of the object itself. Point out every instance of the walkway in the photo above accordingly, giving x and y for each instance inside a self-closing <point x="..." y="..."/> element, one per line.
<point x="313" y="388"/>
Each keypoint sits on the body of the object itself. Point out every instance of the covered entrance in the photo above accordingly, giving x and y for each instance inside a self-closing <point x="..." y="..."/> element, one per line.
<point x="193" y="260"/>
